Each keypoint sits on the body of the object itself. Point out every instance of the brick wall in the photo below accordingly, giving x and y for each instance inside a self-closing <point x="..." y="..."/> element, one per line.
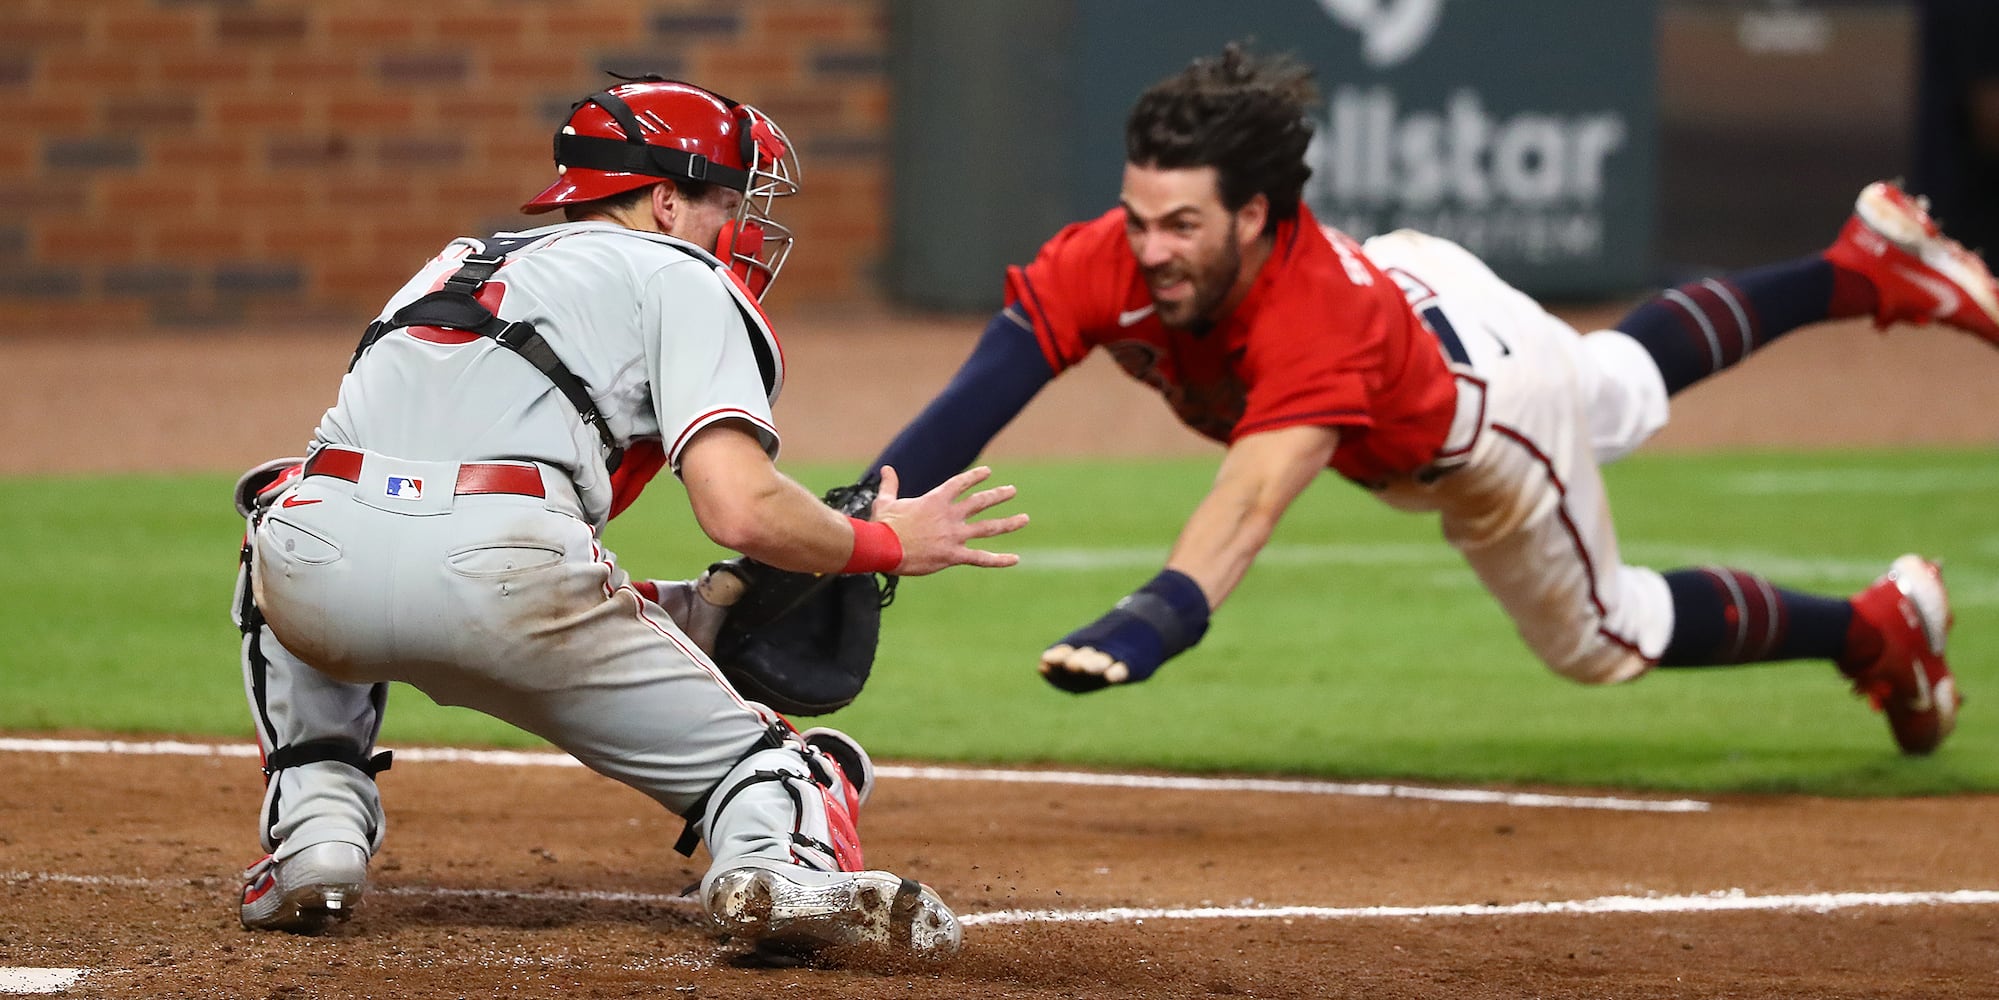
<point x="216" y="162"/>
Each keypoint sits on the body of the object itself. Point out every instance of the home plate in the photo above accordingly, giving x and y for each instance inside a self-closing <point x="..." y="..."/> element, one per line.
<point x="18" y="979"/>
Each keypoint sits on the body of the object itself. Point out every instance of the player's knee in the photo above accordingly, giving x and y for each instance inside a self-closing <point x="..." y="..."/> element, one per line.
<point x="1597" y="660"/>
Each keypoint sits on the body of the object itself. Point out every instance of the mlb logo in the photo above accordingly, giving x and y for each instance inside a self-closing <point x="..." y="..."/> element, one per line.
<point x="402" y="488"/>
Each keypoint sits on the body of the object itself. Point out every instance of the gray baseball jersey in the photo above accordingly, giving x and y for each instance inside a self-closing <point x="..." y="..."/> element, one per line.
<point x="445" y="533"/>
<point x="652" y="324"/>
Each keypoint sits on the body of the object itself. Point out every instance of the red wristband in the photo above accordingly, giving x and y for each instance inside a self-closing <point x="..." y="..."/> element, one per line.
<point x="876" y="548"/>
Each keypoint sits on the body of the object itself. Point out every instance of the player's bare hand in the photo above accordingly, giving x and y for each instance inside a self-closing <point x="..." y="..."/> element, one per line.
<point x="935" y="527"/>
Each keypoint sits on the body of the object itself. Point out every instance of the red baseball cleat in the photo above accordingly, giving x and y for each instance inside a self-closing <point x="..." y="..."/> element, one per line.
<point x="1909" y="679"/>
<point x="1920" y="275"/>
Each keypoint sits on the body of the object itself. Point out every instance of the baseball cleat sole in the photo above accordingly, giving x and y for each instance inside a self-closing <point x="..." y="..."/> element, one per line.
<point x="307" y="893"/>
<point x="873" y="911"/>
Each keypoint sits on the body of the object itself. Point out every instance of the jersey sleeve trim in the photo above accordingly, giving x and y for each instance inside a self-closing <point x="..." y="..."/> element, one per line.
<point x="765" y="431"/>
<point x="1038" y="324"/>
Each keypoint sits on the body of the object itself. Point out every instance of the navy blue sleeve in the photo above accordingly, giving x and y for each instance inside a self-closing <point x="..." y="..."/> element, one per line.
<point x="990" y="389"/>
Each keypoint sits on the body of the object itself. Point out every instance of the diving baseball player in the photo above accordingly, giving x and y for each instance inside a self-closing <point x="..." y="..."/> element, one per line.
<point x="516" y="394"/>
<point x="1408" y="367"/>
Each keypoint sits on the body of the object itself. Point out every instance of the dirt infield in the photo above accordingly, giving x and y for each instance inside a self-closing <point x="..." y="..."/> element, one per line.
<point x="534" y="881"/>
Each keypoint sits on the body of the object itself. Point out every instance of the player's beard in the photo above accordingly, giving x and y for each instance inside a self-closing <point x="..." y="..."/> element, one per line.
<point x="1211" y="285"/>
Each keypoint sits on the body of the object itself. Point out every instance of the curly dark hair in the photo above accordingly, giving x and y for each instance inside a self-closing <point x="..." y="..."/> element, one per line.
<point x="1244" y="115"/>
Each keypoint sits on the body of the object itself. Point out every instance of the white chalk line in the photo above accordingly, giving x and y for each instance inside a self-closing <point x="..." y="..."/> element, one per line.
<point x="1720" y="901"/>
<point x="1369" y="790"/>
<point x="28" y="979"/>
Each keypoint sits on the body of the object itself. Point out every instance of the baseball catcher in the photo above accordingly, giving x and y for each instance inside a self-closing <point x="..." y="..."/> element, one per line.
<point x="444" y="530"/>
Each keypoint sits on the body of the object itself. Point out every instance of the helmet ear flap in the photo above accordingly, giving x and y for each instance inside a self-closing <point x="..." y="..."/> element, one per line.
<point x="746" y="144"/>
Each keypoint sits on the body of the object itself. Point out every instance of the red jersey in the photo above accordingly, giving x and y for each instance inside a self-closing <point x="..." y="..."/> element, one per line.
<point x="1323" y="338"/>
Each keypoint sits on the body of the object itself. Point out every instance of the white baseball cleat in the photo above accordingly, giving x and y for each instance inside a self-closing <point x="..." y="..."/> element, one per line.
<point x="1919" y="275"/>
<point x="800" y="910"/>
<point x="307" y="892"/>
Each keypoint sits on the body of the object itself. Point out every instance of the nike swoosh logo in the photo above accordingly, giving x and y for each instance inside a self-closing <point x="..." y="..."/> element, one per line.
<point x="1946" y="296"/>
<point x="1130" y="316"/>
<point x="295" y="502"/>
<point x="1923" y="701"/>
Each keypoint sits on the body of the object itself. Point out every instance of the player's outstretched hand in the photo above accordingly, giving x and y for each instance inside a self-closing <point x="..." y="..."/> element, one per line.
<point x="1102" y="654"/>
<point x="1132" y="640"/>
<point x="934" y="527"/>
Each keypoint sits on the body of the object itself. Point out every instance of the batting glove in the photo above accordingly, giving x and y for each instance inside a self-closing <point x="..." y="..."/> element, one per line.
<point x="1156" y="622"/>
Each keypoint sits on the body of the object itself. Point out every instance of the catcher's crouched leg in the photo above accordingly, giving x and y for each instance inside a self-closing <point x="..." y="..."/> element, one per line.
<point x="788" y="872"/>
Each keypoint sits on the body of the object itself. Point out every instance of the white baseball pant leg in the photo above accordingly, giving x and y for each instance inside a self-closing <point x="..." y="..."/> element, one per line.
<point x="1528" y="509"/>
<point x="293" y="705"/>
<point x="508" y="605"/>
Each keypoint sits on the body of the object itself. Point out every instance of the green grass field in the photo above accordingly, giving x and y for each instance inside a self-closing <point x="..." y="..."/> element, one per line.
<point x="1359" y="646"/>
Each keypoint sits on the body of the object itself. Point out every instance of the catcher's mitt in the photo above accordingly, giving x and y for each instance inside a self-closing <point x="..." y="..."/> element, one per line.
<point x="802" y="643"/>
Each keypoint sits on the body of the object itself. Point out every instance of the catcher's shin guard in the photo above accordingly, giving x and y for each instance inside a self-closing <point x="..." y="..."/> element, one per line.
<point x="792" y="804"/>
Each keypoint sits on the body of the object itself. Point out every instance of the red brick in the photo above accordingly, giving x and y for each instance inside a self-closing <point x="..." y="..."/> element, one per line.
<point x="533" y="69"/>
<point x="77" y="317"/>
<point x="252" y="199"/>
<point x="369" y="194"/>
<point x="151" y="28"/>
<point x="432" y="153"/>
<point x="128" y="196"/>
<point x="528" y="148"/>
<point x="331" y="236"/>
<point x="816" y="24"/>
<point x="14" y="159"/>
<point x="83" y="71"/>
<point x="423" y="69"/>
<point x="801" y="112"/>
<point x="570" y="26"/>
<point x="71" y="243"/>
<point x="67" y="113"/>
<point x="43" y="197"/>
<point x="216" y="69"/>
<point x="868" y="104"/>
<point x="362" y="285"/>
<point x="490" y="28"/>
<point x="303" y="111"/>
<point x="344" y="30"/>
<point x="229" y="154"/>
<point x="43" y="29"/>
<point x="310" y="152"/>
<point x="188" y="241"/>
<point x="126" y="112"/>
<point x="235" y="27"/>
<point x="320" y="72"/>
<point x="485" y="194"/>
<point x="746" y="73"/>
<point x="370" y="113"/>
<point x="469" y="113"/>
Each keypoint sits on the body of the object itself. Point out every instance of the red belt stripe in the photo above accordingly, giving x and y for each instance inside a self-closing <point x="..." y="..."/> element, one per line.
<point x="473" y="477"/>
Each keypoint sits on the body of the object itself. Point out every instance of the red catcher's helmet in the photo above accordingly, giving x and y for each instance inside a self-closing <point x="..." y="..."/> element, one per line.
<point x="641" y="131"/>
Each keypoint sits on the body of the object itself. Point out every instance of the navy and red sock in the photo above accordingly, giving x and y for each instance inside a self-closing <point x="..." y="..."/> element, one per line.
<point x="1723" y="617"/>
<point x="1703" y="327"/>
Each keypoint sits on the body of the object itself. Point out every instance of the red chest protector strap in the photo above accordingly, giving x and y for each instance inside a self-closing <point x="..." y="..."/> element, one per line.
<point x="456" y="307"/>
